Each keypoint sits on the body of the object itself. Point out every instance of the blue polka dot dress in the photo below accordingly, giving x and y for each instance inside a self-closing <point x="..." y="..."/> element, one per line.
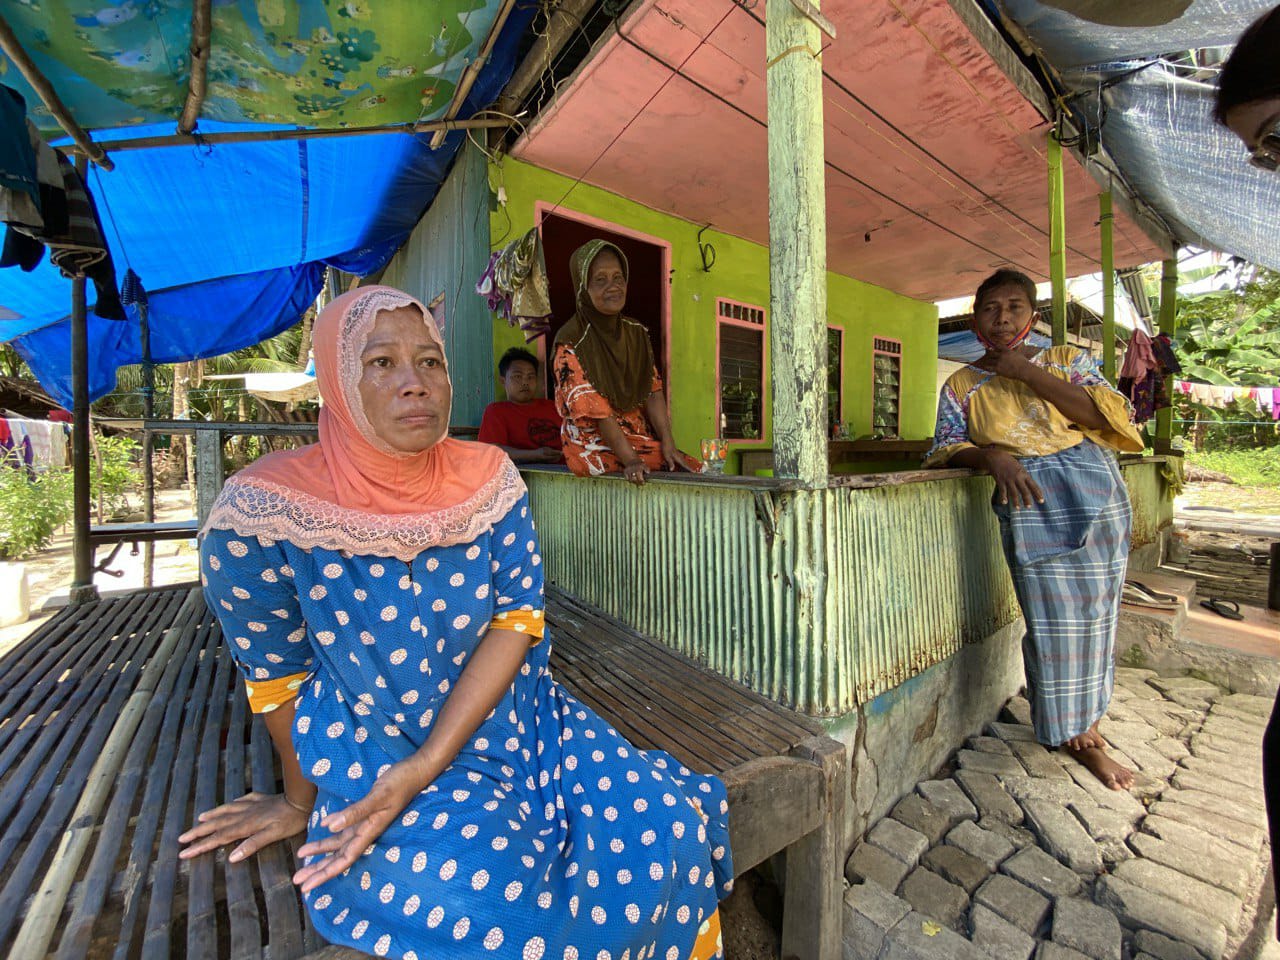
<point x="550" y="836"/>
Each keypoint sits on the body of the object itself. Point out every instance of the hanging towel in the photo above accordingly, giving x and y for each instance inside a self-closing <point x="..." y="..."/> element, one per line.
<point x="516" y="287"/>
<point x="19" y="188"/>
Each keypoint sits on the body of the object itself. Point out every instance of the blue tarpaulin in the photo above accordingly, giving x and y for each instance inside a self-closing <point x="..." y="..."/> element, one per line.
<point x="230" y="240"/>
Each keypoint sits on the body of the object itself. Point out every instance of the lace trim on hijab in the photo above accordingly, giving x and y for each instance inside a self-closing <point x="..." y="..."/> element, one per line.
<point x="258" y="508"/>
<point x="355" y="334"/>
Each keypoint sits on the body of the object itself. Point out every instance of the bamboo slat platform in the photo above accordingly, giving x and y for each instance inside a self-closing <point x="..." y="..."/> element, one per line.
<point x="119" y="720"/>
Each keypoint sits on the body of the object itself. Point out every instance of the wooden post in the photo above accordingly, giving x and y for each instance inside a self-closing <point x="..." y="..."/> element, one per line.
<point x="1105" y="221"/>
<point x="1057" y="241"/>
<point x="797" y="244"/>
<point x="209" y="471"/>
<point x="148" y="468"/>
<point x="1168" y="324"/>
<point x="82" y="588"/>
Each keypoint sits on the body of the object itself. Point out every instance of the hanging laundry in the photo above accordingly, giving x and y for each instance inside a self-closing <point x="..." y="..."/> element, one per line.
<point x="1147" y="365"/>
<point x="19" y="188"/>
<point x="79" y="249"/>
<point x="515" y="285"/>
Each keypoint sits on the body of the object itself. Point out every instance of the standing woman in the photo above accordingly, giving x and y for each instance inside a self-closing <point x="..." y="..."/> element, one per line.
<point x="1043" y="423"/>
<point x="381" y="592"/>
<point x="607" y="387"/>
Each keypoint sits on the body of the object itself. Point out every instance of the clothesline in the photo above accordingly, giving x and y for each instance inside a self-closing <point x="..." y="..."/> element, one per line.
<point x="39" y="444"/>
<point x="1266" y="399"/>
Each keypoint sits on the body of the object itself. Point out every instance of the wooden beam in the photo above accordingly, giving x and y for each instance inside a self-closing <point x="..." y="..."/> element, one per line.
<point x="82" y="588"/>
<point x="201" y="31"/>
<point x="469" y="75"/>
<point x="1057" y="240"/>
<point x="797" y="245"/>
<point x="44" y="89"/>
<point x="1169" y="325"/>
<point x="563" y="22"/>
<point x="266" y="136"/>
<point x="1105" y="221"/>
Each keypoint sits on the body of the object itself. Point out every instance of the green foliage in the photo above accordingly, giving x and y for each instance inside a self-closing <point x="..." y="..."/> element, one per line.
<point x="116" y="476"/>
<point x="1253" y="468"/>
<point x="31" y="508"/>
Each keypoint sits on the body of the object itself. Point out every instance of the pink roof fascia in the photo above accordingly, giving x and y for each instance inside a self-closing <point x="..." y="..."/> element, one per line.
<point x="930" y="147"/>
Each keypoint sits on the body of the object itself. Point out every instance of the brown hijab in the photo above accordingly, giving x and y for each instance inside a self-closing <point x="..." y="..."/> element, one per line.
<point x="614" y="351"/>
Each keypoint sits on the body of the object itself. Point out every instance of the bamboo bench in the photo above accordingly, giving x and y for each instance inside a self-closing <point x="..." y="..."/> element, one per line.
<point x="120" y="719"/>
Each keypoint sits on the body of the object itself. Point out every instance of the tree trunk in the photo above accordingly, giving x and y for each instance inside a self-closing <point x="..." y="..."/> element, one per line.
<point x="304" y="341"/>
<point x="180" y="443"/>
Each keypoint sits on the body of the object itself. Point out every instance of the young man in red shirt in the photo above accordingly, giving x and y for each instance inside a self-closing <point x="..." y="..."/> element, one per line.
<point x="525" y="425"/>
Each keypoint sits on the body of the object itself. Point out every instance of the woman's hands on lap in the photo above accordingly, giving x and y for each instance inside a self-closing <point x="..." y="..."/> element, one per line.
<point x="257" y="819"/>
<point x="355" y="828"/>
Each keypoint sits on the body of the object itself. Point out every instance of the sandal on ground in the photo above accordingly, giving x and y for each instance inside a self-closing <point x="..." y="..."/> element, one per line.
<point x="1223" y="608"/>
<point x="1139" y="594"/>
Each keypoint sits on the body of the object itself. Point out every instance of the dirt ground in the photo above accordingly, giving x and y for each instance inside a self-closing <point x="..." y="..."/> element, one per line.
<point x="50" y="572"/>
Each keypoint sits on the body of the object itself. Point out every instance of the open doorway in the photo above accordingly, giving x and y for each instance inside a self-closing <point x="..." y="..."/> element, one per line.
<point x="649" y="260"/>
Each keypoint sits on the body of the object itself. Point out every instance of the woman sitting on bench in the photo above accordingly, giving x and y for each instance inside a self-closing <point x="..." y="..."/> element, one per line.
<point x="381" y="592"/>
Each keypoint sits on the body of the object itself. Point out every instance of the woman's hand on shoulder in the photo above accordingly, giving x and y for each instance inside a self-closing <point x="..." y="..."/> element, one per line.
<point x="258" y="819"/>
<point x="1012" y="480"/>
<point x="355" y="828"/>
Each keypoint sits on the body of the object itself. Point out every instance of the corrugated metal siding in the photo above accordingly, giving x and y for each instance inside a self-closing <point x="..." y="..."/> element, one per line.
<point x="446" y="253"/>
<point x="917" y="570"/>
<point x="820" y="600"/>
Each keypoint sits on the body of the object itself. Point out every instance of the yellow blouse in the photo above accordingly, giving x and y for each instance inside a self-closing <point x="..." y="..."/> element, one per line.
<point x="979" y="409"/>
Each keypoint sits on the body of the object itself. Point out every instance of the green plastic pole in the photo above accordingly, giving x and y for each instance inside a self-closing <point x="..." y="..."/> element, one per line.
<point x="1057" y="241"/>
<point x="1169" y="325"/>
<point x="797" y="244"/>
<point x="1105" y="220"/>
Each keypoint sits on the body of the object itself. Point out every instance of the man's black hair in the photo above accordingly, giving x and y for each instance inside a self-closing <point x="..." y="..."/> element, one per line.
<point x="1252" y="72"/>
<point x="512" y="356"/>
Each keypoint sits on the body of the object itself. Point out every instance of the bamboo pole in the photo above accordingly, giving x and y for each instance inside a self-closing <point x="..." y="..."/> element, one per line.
<point x="797" y="245"/>
<point x="1168" y="324"/>
<point x="46" y="908"/>
<point x="562" y="23"/>
<point x="472" y="71"/>
<point x="1057" y="241"/>
<point x="201" y="31"/>
<point x="268" y="136"/>
<point x="44" y="89"/>
<point x="1106" y="220"/>
<point x="82" y="588"/>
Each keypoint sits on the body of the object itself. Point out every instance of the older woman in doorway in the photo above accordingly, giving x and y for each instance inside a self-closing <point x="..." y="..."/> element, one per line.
<point x="1043" y="423"/>
<point x="607" y="387"/>
<point x="381" y="593"/>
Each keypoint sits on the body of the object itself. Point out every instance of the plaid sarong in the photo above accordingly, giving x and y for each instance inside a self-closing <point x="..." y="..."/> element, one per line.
<point x="1068" y="558"/>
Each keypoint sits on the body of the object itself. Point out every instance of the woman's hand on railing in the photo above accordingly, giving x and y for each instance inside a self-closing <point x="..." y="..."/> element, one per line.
<point x="257" y="819"/>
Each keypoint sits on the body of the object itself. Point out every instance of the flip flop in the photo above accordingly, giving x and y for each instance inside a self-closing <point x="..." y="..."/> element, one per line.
<point x="1223" y="608"/>
<point x="1138" y="595"/>
<point x="1152" y="594"/>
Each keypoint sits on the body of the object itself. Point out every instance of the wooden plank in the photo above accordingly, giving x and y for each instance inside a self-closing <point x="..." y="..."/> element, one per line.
<point x="202" y="921"/>
<point x="242" y="905"/>
<point x="164" y="866"/>
<point x="38" y="927"/>
<point x="773" y="801"/>
<point x="133" y="532"/>
<point x="159" y="728"/>
<point x="812" y="920"/>
<point x="283" y="902"/>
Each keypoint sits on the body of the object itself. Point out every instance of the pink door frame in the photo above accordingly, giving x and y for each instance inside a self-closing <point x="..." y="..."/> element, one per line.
<point x="540" y="211"/>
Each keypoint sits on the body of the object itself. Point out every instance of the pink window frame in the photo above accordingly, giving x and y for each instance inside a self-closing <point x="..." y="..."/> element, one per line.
<point x="764" y="367"/>
<point x="875" y="352"/>
<point x="541" y="209"/>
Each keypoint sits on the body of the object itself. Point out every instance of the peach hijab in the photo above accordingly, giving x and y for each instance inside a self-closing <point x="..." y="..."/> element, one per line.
<point x="352" y="491"/>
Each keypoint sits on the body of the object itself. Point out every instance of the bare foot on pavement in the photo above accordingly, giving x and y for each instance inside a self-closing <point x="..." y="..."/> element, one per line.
<point x="1103" y="767"/>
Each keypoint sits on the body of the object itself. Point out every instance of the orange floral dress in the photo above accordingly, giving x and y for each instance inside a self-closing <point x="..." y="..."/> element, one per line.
<point x="582" y="408"/>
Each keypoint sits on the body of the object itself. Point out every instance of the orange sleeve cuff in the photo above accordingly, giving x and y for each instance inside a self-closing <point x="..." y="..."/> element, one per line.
<point x="522" y="621"/>
<point x="267" y="695"/>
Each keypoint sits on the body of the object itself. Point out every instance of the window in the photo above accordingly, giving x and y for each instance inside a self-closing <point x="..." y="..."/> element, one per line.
<point x="835" y="376"/>
<point x="740" y="331"/>
<point x="886" y="386"/>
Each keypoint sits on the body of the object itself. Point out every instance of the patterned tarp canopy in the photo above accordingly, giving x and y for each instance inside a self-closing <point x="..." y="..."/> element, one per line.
<point x="230" y="239"/>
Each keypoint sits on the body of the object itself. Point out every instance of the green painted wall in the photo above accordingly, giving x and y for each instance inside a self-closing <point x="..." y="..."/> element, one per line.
<point x="741" y="272"/>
